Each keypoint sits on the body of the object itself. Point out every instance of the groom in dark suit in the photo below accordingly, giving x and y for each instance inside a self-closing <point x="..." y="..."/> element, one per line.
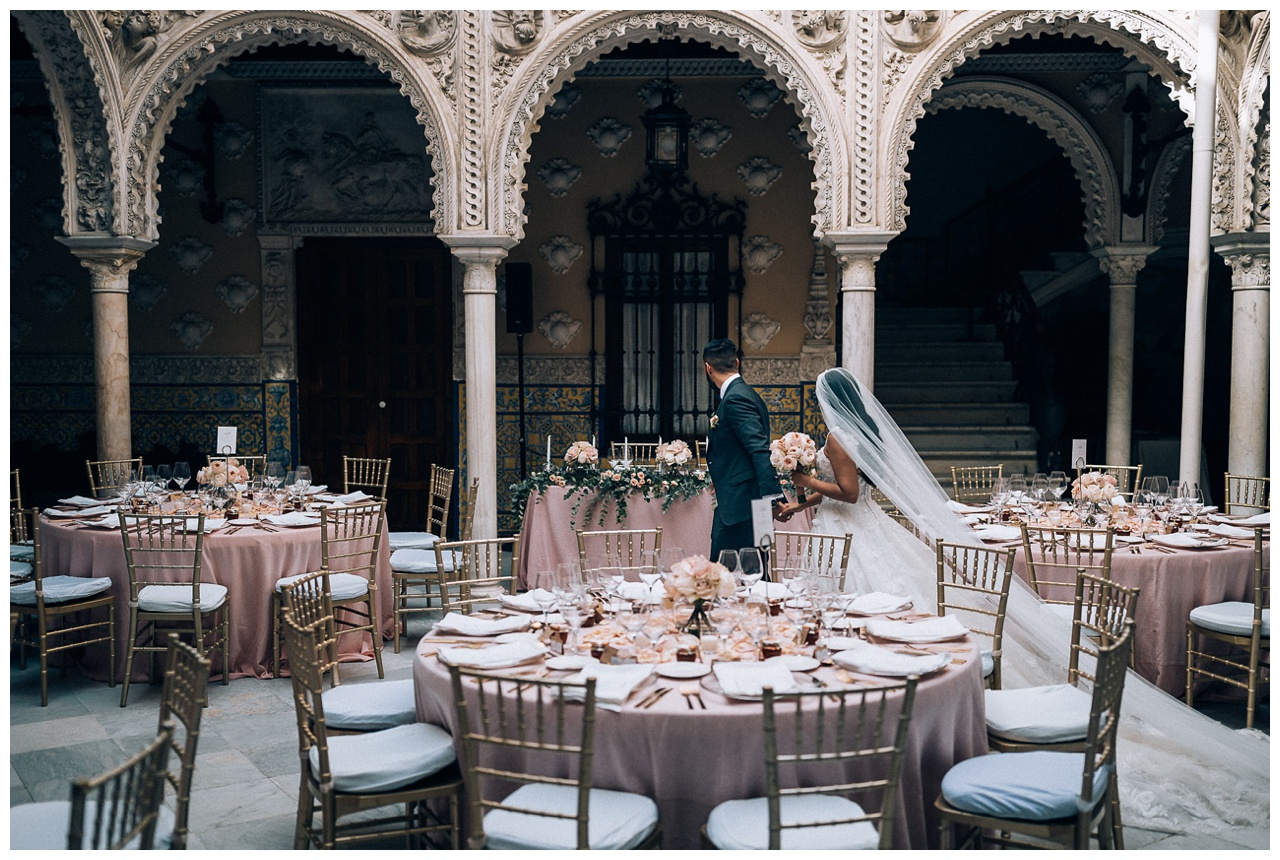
<point x="737" y="450"/>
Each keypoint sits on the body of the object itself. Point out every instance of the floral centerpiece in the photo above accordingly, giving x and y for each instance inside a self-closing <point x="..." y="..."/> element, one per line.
<point x="581" y="454"/>
<point x="1094" y="492"/>
<point x="795" y="450"/>
<point x="699" y="579"/>
<point x="220" y="473"/>
<point x="674" y="454"/>
<point x="617" y="483"/>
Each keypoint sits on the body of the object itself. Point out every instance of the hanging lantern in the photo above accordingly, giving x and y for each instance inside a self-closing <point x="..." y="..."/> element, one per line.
<point x="667" y="135"/>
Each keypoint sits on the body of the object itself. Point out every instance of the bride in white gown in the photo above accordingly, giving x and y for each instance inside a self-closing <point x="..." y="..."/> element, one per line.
<point x="1179" y="770"/>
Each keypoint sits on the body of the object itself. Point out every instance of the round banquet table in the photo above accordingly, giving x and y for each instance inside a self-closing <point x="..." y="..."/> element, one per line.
<point x="248" y="562"/>
<point x="689" y="761"/>
<point x="1172" y="584"/>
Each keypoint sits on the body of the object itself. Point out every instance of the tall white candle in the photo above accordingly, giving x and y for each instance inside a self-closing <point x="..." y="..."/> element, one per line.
<point x="626" y="449"/>
<point x="548" y="452"/>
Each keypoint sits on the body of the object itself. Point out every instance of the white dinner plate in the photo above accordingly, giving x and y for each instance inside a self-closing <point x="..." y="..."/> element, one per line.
<point x="566" y="662"/>
<point x="843" y="643"/>
<point x="849" y="623"/>
<point x="796" y="662"/>
<point x="682" y="670"/>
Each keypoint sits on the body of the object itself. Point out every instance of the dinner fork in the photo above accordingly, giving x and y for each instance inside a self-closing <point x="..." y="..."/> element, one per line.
<point x="690" y="692"/>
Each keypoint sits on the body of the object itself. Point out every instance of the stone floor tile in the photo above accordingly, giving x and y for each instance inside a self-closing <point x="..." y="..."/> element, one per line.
<point x="28" y="737"/>
<point x="18" y="796"/>
<point x="226" y="767"/>
<point x="274" y="833"/>
<point x="66" y="763"/>
<point x="229" y="807"/>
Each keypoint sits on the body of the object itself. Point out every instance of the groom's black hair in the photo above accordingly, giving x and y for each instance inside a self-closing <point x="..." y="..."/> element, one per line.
<point x="721" y="354"/>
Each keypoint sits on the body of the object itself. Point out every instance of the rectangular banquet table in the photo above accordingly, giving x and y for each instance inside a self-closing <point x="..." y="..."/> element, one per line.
<point x="248" y="562"/>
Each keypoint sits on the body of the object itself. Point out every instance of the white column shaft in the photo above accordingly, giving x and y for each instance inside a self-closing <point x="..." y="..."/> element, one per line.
<point x="1120" y="375"/>
<point x="479" y="289"/>
<point x="1250" y="391"/>
<point x="858" y="311"/>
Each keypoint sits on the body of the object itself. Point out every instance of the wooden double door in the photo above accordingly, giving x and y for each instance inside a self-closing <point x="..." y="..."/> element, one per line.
<point x="375" y="358"/>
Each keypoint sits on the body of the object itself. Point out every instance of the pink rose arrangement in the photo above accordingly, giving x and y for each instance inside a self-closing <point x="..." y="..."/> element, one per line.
<point x="674" y="453"/>
<point x="698" y="578"/>
<point x="581" y="453"/>
<point x="793" y="451"/>
<point x="1096" y="487"/>
<point x="219" y="473"/>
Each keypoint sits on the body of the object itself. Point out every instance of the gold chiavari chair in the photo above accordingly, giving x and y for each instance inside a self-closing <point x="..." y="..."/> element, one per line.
<point x="834" y="751"/>
<point x="414" y="566"/>
<point x="973" y="584"/>
<point x="1034" y="798"/>
<point x="472" y="572"/>
<point x="1055" y="554"/>
<point x="1244" y="626"/>
<point x="972" y="484"/>
<point x="641" y="453"/>
<point x="22" y="551"/>
<point x="165" y="555"/>
<point x="441" y="493"/>
<point x="627" y="545"/>
<point x="827" y="555"/>
<point x="57" y="613"/>
<point x="367" y="475"/>
<point x="15" y="491"/>
<point x="186" y="681"/>
<point x="106" y="477"/>
<point x="254" y="464"/>
<point x="532" y="733"/>
<point x="1128" y="478"/>
<point x="469" y="518"/>
<point x="406" y="769"/>
<point x="700" y="454"/>
<point x="1246" y="491"/>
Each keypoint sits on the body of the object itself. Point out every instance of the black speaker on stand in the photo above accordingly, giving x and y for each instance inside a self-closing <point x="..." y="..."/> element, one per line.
<point x="520" y="323"/>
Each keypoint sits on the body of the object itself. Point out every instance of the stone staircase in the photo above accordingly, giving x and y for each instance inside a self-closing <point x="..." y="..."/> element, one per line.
<point x="951" y="391"/>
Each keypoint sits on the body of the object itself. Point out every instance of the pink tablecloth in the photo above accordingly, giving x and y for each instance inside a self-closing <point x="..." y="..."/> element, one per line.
<point x="247" y="562"/>
<point x="549" y="535"/>
<point x="1172" y="585"/>
<point x="689" y="761"/>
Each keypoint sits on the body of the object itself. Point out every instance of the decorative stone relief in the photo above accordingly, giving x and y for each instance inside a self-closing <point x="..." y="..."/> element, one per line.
<point x="913" y="29"/>
<point x="48" y="214"/>
<point x="1262" y="178"/>
<point x="772" y="370"/>
<point x="895" y="66"/>
<point x="1249" y="270"/>
<point x="1222" y="199"/>
<point x="44" y="136"/>
<point x="236" y="292"/>
<point x="17" y="254"/>
<point x="187" y="177"/>
<point x="560" y="253"/>
<point x="758" y="174"/>
<point x="19" y="328"/>
<point x="758" y="329"/>
<point x="820" y="28"/>
<point x="651" y="93"/>
<point x="817" y="309"/>
<point x="564" y="100"/>
<point x="559" y="328"/>
<point x="707" y="136"/>
<point x="237" y="215"/>
<point x="135" y="34"/>
<point x="608" y="134"/>
<point x="194" y="101"/>
<point x="558" y="175"/>
<point x="145" y="291"/>
<point x="546" y="370"/>
<point x="191" y="254"/>
<point x="54" y="292"/>
<point x="516" y="32"/>
<point x="232" y="139"/>
<point x="759" y="252"/>
<point x="799" y="139"/>
<point x="759" y="95"/>
<point x="1167" y="165"/>
<point x="1099" y="91"/>
<point x="425" y="31"/>
<point x="191" y="329"/>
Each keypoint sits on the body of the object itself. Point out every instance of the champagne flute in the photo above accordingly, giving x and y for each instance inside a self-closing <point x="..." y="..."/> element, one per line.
<point x="181" y="474"/>
<point x="572" y="609"/>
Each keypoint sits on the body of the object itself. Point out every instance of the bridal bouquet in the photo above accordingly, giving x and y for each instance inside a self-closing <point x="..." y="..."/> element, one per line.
<point x="794" y="451"/>
<point x="675" y="453"/>
<point x="581" y="453"/>
<point x="219" y="473"/>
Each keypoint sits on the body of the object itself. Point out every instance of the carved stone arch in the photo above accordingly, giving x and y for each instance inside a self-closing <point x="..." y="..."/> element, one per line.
<point x="86" y="116"/>
<point x="1065" y="127"/>
<point x="188" y="60"/>
<point x="597" y="33"/>
<point x="1148" y="37"/>
<point x="1252" y="109"/>
<point x="1171" y="160"/>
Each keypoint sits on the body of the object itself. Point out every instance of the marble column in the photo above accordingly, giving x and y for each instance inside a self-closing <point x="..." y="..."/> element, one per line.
<point x="1121" y="263"/>
<point x="480" y="255"/>
<point x="109" y="261"/>
<point x="858" y="253"/>
<point x="1249" y="255"/>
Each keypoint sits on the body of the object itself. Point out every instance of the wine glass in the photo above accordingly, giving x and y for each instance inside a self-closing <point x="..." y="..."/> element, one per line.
<point x="1195" y="500"/>
<point x="1017" y="488"/>
<point x="1039" y="486"/>
<point x="650" y="569"/>
<point x="1161" y="484"/>
<point x="164" y="474"/>
<point x="542" y="589"/>
<point x="751" y="565"/>
<point x="1057" y="483"/>
<point x="303" y="479"/>
<point x="568" y="581"/>
<point x="275" y="474"/>
<point x="999" y="495"/>
<point x="633" y="617"/>
<point x="754" y="621"/>
<point x="572" y="609"/>
<point x="181" y="474"/>
<point x="147" y="479"/>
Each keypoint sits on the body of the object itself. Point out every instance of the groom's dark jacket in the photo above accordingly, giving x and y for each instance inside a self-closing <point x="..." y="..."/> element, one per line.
<point x="738" y="453"/>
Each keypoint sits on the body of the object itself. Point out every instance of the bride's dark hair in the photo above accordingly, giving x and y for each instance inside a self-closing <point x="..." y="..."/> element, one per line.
<point x="841" y="387"/>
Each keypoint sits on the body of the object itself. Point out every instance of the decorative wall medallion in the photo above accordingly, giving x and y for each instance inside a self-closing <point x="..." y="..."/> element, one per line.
<point x="758" y="174"/>
<point x="799" y="139"/>
<point x="44" y="137"/>
<point x="759" y="95"/>
<point x="194" y="101"/>
<point x="913" y="28"/>
<point x="425" y="31"/>
<point x="232" y="139"/>
<point x="191" y="254"/>
<point x="191" y="329"/>
<point x="559" y="174"/>
<point x="236" y="292"/>
<point x="608" y="134"/>
<point x="17" y="254"/>
<point x="145" y="291"/>
<point x="560" y="252"/>
<point x="708" y="135"/>
<point x="19" y="328"/>
<point x="758" y="329"/>
<point x="564" y="101"/>
<point x="54" y="292"/>
<point x="187" y="177"/>
<point x="759" y="252"/>
<point x="48" y="214"/>
<point x="559" y="328"/>
<point x="820" y="28"/>
<point x="1099" y="91"/>
<point x="516" y="32"/>
<point x="651" y="92"/>
<point x="237" y="215"/>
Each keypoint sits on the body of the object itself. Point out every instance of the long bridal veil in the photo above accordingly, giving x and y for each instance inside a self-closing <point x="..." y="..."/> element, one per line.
<point x="1179" y="770"/>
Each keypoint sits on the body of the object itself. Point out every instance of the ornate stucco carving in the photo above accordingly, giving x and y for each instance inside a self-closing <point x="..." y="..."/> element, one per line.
<point x="54" y="292"/>
<point x="1250" y="270"/>
<point x="758" y="252"/>
<point x="650" y="93"/>
<point x="709" y="134"/>
<point x="237" y="215"/>
<point x="425" y="32"/>
<point x="517" y="32"/>
<point x="608" y="134"/>
<point x="559" y="328"/>
<point x="759" y="95"/>
<point x="559" y="252"/>
<point x="545" y="370"/>
<point x="820" y="28"/>
<point x="558" y="175"/>
<point x="866" y="118"/>
<point x="191" y="329"/>
<point x="1262" y="178"/>
<point x="758" y="173"/>
<point x="913" y="29"/>
<point x="565" y="99"/>
<point x="190" y="253"/>
<point x="236" y="292"/>
<point x="818" y="323"/>
<point x="19" y="328"/>
<point x="758" y="329"/>
<point x="1171" y="159"/>
<point x="232" y="139"/>
<point x="472" y="190"/>
<point x="1223" y="199"/>
<point x="771" y="371"/>
<point x="187" y="177"/>
<point x="146" y="291"/>
<point x="1099" y="90"/>
<point x="895" y="66"/>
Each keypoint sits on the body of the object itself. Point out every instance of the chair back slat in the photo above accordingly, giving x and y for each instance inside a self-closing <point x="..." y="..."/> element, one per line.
<point x="973" y="585"/>
<point x="628" y="545"/>
<point x="440" y="493"/>
<point x="1114" y="657"/>
<point x="473" y="572"/>
<point x="350" y="537"/>
<point x="186" y="681"/>
<point x="1102" y="610"/>
<point x="1055" y="554"/>
<point x="1128" y="478"/>
<point x="366" y="474"/>
<point x="824" y="554"/>
<point x="1250" y="492"/>
<point x="469" y="518"/>
<point x="641" y="453"/>
<point x="124" y="801"/>
<point x="106" y="477"/>
<point x="163" y="549"/>
<point x="309" y="602"/>
<point x="305" y="673"/>
<point x="15" y="491"/>
<point x="975" y="483"/>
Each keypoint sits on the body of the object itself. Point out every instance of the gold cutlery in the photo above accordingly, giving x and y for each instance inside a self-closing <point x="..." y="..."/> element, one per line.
<point x="652" y="698"/>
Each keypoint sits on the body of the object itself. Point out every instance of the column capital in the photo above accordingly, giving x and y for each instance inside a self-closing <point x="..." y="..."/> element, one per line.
<point x="1122" y="263"/>
<point x="108" y="258"/>
<point x="1249" y="255"/>
<point x="857" y="244"/>
<point x="481" y="249"/>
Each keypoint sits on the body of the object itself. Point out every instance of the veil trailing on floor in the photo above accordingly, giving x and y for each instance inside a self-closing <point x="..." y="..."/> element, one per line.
<point x="1179" y="770"/>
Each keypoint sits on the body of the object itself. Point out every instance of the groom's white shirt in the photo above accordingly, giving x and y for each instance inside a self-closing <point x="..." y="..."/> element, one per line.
<point x="724" y="386"/>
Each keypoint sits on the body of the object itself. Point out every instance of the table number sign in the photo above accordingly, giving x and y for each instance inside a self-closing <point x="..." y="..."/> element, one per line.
<point x="226" y="440"/>
<point x="1078" y="458"/>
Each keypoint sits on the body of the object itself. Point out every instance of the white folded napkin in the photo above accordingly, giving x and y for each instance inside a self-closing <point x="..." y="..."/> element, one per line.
<point x="613" y="683"/>
<point x="352" y="498"/>
<point x="316" y="488"/>
<point x="878" y="602"/>
<point x="770" y="590"/>
<point x="96" y="511"/>
<point x="924" y="630"/>
<point x="655" y="593"/>
<point x="500" y="656"/>
<point x="81" y="501"/>
<point x="111" y="521"/>
<point x="996" y="532"/>
<point x="210" y="525"/>
<point x="293" y="518"/>
<point x="1230" y="531"/>
<point x="962" y="508"/>
<point x="470" y="625"/>
<point x="527" y="602"/>
<point x="750" y="679"/>
<point x="974" y="519"/>
<point x="1185" y="540"/>
<point x="1262" y="519"/>
<point x="875" y="660"/>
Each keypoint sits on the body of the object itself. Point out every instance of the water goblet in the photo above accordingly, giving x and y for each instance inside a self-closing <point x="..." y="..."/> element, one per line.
<point x="633" y="617"/>
<point x="1161" y="485"/>
<point x="752" y="566"/>
<point x="755" y="622"/>
<point x="542" y="589"/>
<point x="572" y="609"/>
<point x="1195" y="501"/>
<point x="181" y="474"/>
<point x="1040" y="486"/>
<point x="275" y="474"/>
<point x="1057" y="483"/>
<point x="1017" y="488"/>
<point x="650" y="569"/>
<point x="164" y="474"/>
<point x="303" y="479"/>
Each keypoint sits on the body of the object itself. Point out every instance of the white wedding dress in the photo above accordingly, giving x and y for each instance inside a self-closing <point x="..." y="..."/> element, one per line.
<point x="1179" y="770"/>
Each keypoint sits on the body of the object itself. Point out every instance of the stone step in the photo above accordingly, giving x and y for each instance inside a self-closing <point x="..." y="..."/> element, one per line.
<point x="932" y="316"/>
<point x="889" y="353"/>
<point x="1014" y="437"/>
<point x="894" y="393"/>
<point x="985" y="414"/>
<point x="926" y="333"/>
<point x="938" y="370"/>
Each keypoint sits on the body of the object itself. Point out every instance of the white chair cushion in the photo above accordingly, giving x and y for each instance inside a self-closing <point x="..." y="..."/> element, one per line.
<point x="342" y="586"/>
<point x="59" y="589"/>
<point x="988" y="663"/>
<point x="421" y="560"/>
<point x="177" y="598"/>
<point x="22" y="552"/>
<point x="371" y="706"/>
<point x="19" y="568"/>
<point x="617" y="820"/>
<point x="386" y="760"/>
<point x="1028" y="786"/>
<point x="743" y="825"/>
<point x="44" y="826"/>
<point x="1039" y="715"/>
<point x="412" y="540"/>
<point x="1234" y="618"/>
